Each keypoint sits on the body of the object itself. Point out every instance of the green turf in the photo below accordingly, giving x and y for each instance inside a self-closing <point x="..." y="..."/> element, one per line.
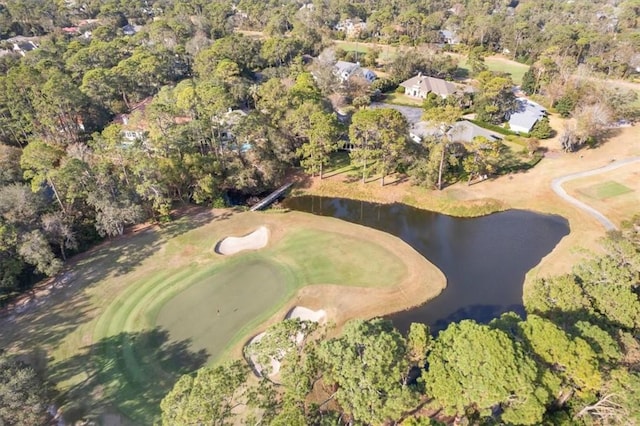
<point x="515" y="69"/>
<point x="605" y="190"/>
<point x="211" y="311"/>
<point x="387" y="52"/>
<point x="350" y="262"/>
<point x="166" y="323"/>
<point x="402" y="99"/>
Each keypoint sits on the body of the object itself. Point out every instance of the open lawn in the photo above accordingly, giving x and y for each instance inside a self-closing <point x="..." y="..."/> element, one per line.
<point x="603" y="190"/>
<point x="616" y="193"/>
<point x="386" y="52"/>
<point x="133" y="315"/>
<point x="402" y="99"/>
<point x="497" y="64"/>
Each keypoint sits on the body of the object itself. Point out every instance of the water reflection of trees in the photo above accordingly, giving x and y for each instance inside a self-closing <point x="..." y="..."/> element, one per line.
<point x="485" y="259"/>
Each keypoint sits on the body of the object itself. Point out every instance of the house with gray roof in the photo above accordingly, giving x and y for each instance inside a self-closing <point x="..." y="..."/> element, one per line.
<point x="525" y="115"/>
<point x="345" y="70"/>
<point x="462" y="132"/>
<point x="449" y="37"/>
<point x="22" y="44"/>
<point x="421" y="85"/>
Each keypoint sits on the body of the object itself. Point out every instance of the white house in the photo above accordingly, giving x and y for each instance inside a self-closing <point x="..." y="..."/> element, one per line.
<point x="345" y="70"/>
<point x="525" y="115"/>
<point x="352" y="27"/>
<point x="420" y="86"/>
<point x="135" y="129"/>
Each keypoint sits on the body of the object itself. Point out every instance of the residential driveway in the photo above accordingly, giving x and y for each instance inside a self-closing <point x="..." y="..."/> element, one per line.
<point x="412" y="114"/>
<point x="556" y="185"/>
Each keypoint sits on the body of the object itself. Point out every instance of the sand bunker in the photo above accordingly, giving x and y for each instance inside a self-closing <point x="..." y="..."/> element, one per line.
<point x="306" y="314"/>
<point x="299" y="312"/>
<point x="257" y="367"/>
<point x="253" y="241"/>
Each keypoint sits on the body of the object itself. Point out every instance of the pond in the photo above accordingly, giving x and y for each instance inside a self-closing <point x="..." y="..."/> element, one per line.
<point x="485" y="259"/>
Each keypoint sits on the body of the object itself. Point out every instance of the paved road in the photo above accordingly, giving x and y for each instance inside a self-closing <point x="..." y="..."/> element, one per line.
<point x="556" y="185"/>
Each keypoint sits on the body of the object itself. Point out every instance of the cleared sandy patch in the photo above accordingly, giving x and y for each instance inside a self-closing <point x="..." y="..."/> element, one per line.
<point x="253" y="241"/>
<point x="298" y="312"/>
<point x="306" y="314"/>
<point x="257" y="367"/>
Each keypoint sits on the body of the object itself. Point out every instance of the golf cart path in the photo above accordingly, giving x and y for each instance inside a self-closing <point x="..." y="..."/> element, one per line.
<point x="556" y="185"/>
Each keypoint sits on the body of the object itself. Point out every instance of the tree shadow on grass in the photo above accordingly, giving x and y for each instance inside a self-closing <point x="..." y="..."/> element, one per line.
<point x="132" y="371"/>
<point x="123" y="254"/>
<point x="53" y="315"/>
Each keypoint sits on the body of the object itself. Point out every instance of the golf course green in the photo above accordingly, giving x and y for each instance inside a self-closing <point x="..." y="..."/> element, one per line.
<point x="147" y="308"/>
<point x="211" y="311"/>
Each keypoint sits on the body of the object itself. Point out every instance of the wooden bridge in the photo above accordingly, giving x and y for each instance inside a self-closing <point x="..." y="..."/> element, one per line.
<point x="271" y="197"/>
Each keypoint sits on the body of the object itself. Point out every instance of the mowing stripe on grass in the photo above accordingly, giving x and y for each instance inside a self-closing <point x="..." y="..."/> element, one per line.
<point x="605" y="190"/>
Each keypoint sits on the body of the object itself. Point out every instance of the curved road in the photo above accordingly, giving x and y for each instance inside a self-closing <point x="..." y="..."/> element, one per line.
<point x="556" y="185"/>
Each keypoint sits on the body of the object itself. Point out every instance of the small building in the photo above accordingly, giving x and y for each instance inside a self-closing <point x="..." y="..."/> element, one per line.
<point x="420" y="86"/>
<point x="132" y="123"/>
<point x="130" y="30"/>
<point x="345" y="70"/>
<point x="231" y="118"/>
<point x="71" y="30"/>
<point x="525" y="115"/>
<point x="462" y="132"/>
<point x="449" y="37"/>
<point x="351" y="27"/>
<point x="23" y="45"/>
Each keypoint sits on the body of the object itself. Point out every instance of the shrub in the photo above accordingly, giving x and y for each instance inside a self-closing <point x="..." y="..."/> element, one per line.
<point x="384" y="85"/>
<point x="565" y="105"/>
<point x="542" y="129"/>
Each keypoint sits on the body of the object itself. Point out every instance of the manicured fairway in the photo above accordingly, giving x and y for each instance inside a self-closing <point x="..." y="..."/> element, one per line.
<point x="605" y="190"/>
<point x="143" y="310"/>
<point x="211" y="311"/>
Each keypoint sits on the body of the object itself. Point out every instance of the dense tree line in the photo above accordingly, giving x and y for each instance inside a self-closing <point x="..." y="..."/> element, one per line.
<point x="24" y="396"/>
<point x="572" y="360"/>
<point x="69" y="176"/>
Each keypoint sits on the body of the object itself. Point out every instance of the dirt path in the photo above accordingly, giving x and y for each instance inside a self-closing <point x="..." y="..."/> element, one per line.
<point x="557" y="183"/>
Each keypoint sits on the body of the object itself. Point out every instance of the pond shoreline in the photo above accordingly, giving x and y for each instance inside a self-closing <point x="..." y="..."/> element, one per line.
<point x="484" y="259"/>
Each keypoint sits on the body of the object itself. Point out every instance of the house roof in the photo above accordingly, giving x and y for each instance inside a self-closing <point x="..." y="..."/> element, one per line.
<point x="123" y="119"/>
<point x="526" y="114"/>
<point x="346" y="67"/>
<point x="466" y="131"/>
<point x="131" y="29"/>
<point x="233" y="116"/>
<point x="26" y="46"/>
<point x="21" y="39"/>
<point x="449" y="35"/>
<point x="446" y="33"/>
<point x="463" y="131"/>
<point x="430" y="84"/>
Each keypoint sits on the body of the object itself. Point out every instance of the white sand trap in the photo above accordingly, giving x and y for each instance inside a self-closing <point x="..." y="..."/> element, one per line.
<point x="306" y="314"/>
<point x="253" y="241"/>
<point x="299" y="312"/>
<point x="275" y="364"/>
